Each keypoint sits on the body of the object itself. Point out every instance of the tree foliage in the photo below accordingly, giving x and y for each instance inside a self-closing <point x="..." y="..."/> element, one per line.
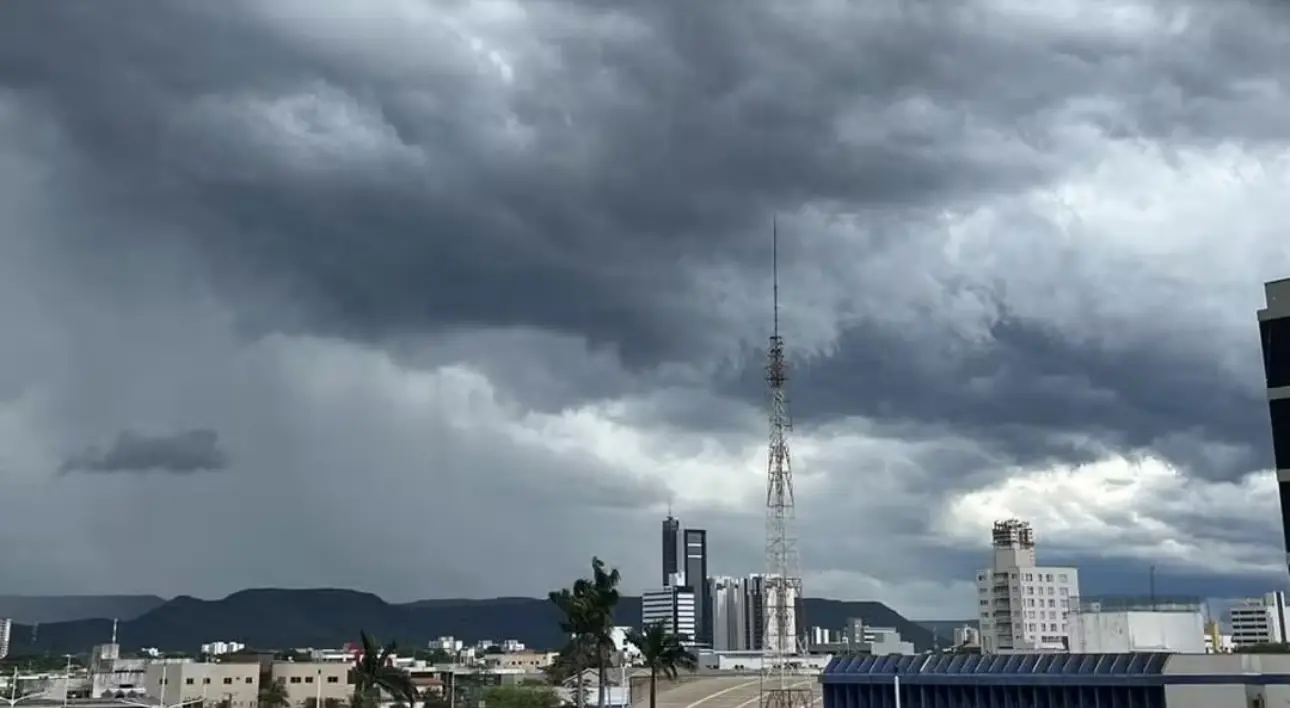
<point x="1269" y="648"/>
<point x="664" y="654"/>
<point x="521" y="697"/>
<point x="374" y="671"/>
<point x="274" y="695"/>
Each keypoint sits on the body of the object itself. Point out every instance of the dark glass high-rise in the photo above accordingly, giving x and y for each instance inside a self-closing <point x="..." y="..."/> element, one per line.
<point x="1274" y="333"/>
<point x="671" y="542"/>
<point x="696" y="576"/>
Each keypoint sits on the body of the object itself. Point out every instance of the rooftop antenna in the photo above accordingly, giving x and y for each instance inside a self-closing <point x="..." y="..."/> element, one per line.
<point x="114" y="623"/>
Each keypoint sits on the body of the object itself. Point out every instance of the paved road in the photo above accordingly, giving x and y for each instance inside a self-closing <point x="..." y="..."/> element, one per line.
<point x="717" y="692"/>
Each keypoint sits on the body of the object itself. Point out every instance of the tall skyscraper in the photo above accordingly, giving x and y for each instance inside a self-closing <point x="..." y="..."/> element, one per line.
<point x="738" y="613"/>
<point x="1024" y="606"/>
<point x="671" y="541"/>
<point x="1274" y="331"/>
<point x="696" y="576"/>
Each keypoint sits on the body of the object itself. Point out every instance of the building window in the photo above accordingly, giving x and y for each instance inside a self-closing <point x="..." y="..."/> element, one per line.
<point x="188" y="682"/>
<point x="206" y="681"/>
<point x="295" y="679"/>
<point x="228" y="680"/>
<point x="333" y="679"/>
<point x="1062" y="577"/>
<point x="250" y="680"/>
<point x="309" y="679"/>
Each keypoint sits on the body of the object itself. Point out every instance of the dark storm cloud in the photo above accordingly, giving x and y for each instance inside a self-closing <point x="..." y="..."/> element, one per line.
<point x="181" y="453"/>
<point x="341" y="184"/>
<point x="707" y="128"/>
<point x="1037" y="398"/>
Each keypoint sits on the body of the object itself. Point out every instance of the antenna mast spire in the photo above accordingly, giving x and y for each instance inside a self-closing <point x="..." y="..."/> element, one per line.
<point x="783" y="684"/>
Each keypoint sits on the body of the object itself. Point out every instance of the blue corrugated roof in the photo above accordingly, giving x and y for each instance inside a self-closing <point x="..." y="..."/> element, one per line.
<point x="1135" y="664"/>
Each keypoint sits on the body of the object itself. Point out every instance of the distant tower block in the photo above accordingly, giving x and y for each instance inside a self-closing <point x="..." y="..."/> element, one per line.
<point x="1014" y="544"/>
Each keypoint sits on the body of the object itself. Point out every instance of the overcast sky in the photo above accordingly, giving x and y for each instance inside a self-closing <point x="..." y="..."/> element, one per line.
<point x="440" y="298"/>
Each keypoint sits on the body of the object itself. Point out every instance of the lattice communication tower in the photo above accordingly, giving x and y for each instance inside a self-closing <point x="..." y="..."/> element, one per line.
<point x="784" y="683"/>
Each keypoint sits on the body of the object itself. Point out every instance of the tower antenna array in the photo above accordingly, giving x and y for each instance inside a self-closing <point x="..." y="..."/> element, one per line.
<point x="783" y="682"/>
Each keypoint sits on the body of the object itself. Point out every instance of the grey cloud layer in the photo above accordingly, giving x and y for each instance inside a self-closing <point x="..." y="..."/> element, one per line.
<point x="609" y="175"/>
<point x="189" y="451"/>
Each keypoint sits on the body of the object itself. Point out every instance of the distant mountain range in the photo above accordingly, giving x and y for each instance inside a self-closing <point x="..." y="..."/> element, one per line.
<point x="31" y="609"/>
<point x="273" y="618"/>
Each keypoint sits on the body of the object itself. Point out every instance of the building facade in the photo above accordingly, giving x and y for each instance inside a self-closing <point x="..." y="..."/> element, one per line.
<point x="1141" y="680"/>
<point x="671" y="542"/>
<point x="1126" y="625"/>
<point x="1274" y="332"/>
<point x="729" y="624"/>
<point x="785" y="592"/>
<point x="6" y="629"/>
<point x="309" y="681"/>
<point x="673" y="607"/>
<point x="696" y="576"/>
<point x="1023" y="606"/>
<point x="174" y="682"/>
<point x="1259" y="620"/>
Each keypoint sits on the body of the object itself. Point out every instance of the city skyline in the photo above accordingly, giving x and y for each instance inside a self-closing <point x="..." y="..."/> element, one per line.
<point x="505" y="267"/>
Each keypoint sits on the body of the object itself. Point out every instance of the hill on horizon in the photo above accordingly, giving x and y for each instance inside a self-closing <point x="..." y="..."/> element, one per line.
<point x="277" y="618"/>
<point x="39" y="609"/>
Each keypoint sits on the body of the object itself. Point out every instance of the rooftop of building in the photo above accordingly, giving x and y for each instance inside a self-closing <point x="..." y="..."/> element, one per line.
<point x="1055" y="669"/>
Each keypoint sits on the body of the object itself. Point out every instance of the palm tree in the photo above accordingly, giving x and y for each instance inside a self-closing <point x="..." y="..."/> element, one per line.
<point x="588" y="617"/>
<point x="577" y="621"/>
<point x="663" y="653"/>
<point x="374" y="671"/>
<point x="274" y="695"/>
<point x="604" y="594"/>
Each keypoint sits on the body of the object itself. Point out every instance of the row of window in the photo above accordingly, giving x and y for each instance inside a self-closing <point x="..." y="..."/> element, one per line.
<point x="228" y="680"/>
<point x="1043" y="577"/>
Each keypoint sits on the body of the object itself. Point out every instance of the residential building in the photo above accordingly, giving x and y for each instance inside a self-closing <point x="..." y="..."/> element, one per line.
<point x="6" y="629"/>
<point x="755" y="611"/>
<point x="310" y="680"/>
<point x="1259" y="620"/>
<point x="448" y="644"/>
<point x="775" y="591"/>
<point x="967" y="636"/>
<point x="175" y="682"/>
<point x="1138" y="624"/>
<point x="1023" y="606"/>
<point x="221" y="648"/>
<point x="865" y="639"/>
<point x="730" y="630"/>
<point x="673" y="606"/>
<point x="671" y="542"/>
<point x="530" y="661"/>
<point x="738" y="612"/>
<point x="1274" y="332"/>
<point x="696" y="575"/>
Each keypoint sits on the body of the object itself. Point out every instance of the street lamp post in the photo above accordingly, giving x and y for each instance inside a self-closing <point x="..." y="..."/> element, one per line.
<point x="67" y="678"/>
<point x="13" y="698"/>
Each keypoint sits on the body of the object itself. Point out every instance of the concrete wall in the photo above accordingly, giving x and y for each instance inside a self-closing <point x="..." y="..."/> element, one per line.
<point x="1119" y="632"/>
<point x="237" y="683"/>
<point x="305" y="680"/>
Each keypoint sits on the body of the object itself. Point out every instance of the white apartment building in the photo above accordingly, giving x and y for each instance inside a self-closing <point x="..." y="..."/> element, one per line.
<point x="1259" y="620"/>
<point x="221" y="648"/>
<point x="1022" y="605"/>
<point x="779" y="590"/>
<point x="673" y="606"/>
<point x="6" y="628"/>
